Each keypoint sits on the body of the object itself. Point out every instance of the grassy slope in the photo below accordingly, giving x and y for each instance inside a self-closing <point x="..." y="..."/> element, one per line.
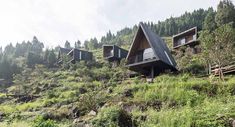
<point x="173" y="100"/>
<point x="181" y="100"/>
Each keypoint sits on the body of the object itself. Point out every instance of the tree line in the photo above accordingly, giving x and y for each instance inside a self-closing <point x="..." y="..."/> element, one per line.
<point x="217" y="35"/>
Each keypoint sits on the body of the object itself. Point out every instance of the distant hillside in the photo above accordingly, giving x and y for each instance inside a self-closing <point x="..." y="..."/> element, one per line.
<point x="169" y="27"/>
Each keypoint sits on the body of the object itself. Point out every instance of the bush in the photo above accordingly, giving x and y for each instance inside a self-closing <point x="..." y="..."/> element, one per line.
<point x="113" y="117"/>
<point x="91" y="101"/>
<point x="41" y="122"/>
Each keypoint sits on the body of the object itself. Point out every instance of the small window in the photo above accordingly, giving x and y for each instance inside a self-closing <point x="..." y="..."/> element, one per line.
<point x="80" y="57"/>
<point x="119" y="53"/>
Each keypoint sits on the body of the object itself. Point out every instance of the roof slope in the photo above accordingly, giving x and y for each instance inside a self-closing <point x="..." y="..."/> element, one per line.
<point x="159" y="47"/>
<point x="64" y="50"/>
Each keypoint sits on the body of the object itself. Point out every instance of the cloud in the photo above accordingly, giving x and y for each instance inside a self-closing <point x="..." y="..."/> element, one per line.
<point x="55" y="21"/>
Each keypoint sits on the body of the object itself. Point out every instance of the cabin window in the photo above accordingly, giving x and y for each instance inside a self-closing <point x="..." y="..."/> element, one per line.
<point x="111" y="53"/>
<point x="194" y="37"/>
<point x="80" y="57"/>
<point x="148" y="54"/>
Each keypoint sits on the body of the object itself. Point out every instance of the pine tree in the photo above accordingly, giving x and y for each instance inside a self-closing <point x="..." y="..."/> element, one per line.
<point x="51" y="58"/>
<point x="225" y="13"/>
<point x="209" y="22"/>
<point x="37" y="46"/>
<point x="77" y="44"/>
<point x="67" y="45"/>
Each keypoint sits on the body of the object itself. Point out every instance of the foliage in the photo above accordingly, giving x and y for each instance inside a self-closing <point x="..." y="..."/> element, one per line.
<point x="112" y="117"/>
<point x="41" y="122"/>
<point x="189" y="62"/>
<point x="92" y="101"/>
<point x="33" y="59"/>
<point x="225" y="12"/>
<point x="169" y="27"/>
<point x="209" y="22"/>
<point x="67" y="45"/>
<point x="218" y="46"/>
<point x="8" y="68"/>
<point x="51" y="58"/>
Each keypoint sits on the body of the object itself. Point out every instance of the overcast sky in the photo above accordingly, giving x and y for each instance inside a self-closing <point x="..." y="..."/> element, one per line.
<point x="55" y="21"/>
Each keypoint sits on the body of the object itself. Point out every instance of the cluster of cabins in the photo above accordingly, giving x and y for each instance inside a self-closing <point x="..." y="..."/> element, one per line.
<point x="148" y="54"/>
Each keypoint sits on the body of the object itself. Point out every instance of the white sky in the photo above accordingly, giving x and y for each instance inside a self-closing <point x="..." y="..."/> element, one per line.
<point x="55" y="21"/>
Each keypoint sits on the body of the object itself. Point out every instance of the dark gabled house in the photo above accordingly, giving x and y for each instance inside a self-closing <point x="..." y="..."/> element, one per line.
<point x="113" y="53"/>
<point x="148" y="54"/>
<point x="79" y="55"/>
<point x="62" y="54"/>
<point x="187" y="38"/>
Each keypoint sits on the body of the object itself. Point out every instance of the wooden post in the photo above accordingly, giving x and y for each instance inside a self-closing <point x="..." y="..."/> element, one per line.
<point x="209" y="69"/>
<point x="152" y="72"/>
<point x="151" y="76"/>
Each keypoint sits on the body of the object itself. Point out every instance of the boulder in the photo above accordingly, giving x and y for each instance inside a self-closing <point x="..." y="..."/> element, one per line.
<point x="80" y="123"/>
<point x="92" y="113"/>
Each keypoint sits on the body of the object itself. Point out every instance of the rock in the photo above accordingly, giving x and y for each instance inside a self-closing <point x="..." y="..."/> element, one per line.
<point x="80" y="123"/>
<point x="92" y="113"/>
<point x="1" y="116"/>
<point x="120" y="103"/>
<point x="82" y="90"/>
<point x="75" y="121"/>
<point x="128" y="93"/>
<point x="233" y="123"/>
<point x="75" y="112"/>
<point x="109" y="90"/>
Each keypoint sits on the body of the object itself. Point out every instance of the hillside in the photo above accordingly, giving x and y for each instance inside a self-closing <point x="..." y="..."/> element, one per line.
<point x="98" y="95"/>
<point x="40" y="89"/>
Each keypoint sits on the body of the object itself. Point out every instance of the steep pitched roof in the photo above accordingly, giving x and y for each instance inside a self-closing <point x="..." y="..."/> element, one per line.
<point x="64" y="50"/>
<point x="159" y="47"/>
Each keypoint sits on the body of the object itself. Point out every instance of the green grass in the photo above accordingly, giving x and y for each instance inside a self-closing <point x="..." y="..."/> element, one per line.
<point x="172" y="100"/>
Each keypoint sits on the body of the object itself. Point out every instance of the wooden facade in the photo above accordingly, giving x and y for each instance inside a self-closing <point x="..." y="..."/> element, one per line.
<point x="79" y="55"/>
<point x="149" y="55"/>
<point x="113" y="53"/>
<point x="187" y="38"/>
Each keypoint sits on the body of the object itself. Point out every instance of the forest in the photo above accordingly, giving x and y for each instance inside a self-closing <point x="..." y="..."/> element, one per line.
<point x="36" y="91"/>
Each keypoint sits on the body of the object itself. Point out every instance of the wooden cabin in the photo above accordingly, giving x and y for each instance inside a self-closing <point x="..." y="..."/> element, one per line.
<point x="62" y="54"/>
<point x="79" y="55"/>
<point x="113" y="53"/>
<point x="187" y="38"/>
<point x="149" y="54"/>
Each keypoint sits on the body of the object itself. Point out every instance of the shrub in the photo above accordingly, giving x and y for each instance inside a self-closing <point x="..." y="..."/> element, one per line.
<point x="112" y="117"/>
<point x="169" y="118"/>
<point x="41" y="122"/>
<point x="91" y="101"/>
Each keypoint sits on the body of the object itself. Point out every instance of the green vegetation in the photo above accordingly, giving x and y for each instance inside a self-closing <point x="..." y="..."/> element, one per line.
<point x="173" y="100"/>
<point x="93" y="93"/>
